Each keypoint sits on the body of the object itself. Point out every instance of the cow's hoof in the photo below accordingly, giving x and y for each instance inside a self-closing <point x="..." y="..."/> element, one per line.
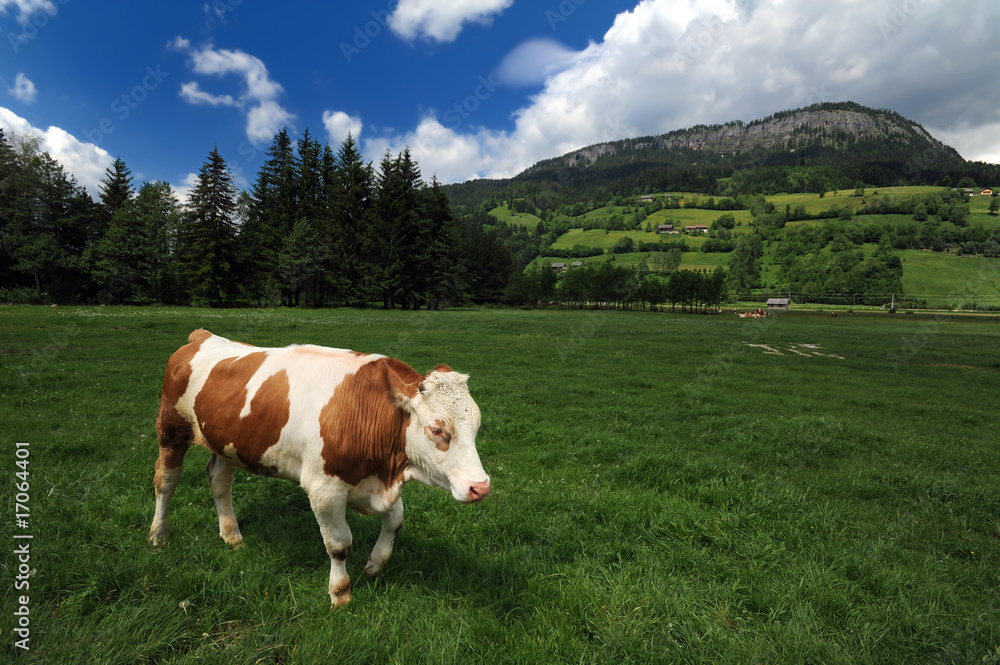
<point x="233" y="541"/>
<point x="372" y="569"/>
<point x="157" y="540"/>
<point x="340" y="594"/>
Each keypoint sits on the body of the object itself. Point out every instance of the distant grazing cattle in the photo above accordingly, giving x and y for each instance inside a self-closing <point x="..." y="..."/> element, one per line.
<point x="351" y="428"/>
<point x="833" y="314"/>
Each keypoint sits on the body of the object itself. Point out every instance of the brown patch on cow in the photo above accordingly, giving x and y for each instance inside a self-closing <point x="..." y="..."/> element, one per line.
<point x="364" y="428"/>
<point x="339" y="554"/>
<point x="342" y="592"/>
<point x="438" y="432"/>
<point x="198" y="336"/>
<point x="173" y="431"/>
<point x="443" y="368"/>
<point x="221" y="399"/>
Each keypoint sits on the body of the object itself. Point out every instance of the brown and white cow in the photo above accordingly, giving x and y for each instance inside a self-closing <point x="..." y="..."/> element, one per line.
<point x="350" y="428"/>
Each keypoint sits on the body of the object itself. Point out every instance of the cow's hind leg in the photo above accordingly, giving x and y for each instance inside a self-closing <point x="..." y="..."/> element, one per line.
<point x="220" y="478"/>
<point x="330" y="508"/>
<point x="168" y="473"/>
<point x="392" y="522"/>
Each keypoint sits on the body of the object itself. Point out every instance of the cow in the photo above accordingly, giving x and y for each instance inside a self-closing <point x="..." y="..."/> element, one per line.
<point x="350" y="428"/>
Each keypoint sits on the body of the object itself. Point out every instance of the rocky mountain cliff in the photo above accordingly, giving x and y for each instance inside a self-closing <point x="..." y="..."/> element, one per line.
<point x="831" y="145"/>
<point x="828" y="124"/>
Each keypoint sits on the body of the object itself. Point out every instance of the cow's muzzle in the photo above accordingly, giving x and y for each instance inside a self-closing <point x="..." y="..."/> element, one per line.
<point x="477" y="491"/>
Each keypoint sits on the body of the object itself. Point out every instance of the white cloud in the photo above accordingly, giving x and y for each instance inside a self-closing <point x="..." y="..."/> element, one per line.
<point x="266" y="119"/>
<point x="535" y="61"/>
<point x="193" y="94"/>
<point x="438" y="150"/>
<point x="183" y="191"/>
<point x="23" y="90"/>
<point x="27" y="7"/>
<point x="85" y="161"/>
<point x="338" y="125"/>
<point x="265" y="116"/>
<point x="672" y="64"/>
<point x="442" y="21"/>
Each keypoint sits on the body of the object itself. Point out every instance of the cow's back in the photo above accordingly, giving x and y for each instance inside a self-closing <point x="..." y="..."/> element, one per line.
<point x="258" y="407"/>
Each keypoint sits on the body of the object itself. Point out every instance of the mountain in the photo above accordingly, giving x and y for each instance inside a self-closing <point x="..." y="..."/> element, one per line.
<point x="817" y="148"/>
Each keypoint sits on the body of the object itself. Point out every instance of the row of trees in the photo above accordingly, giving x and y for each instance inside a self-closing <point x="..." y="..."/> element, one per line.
<point x="315" y="228"/>
<point x="607" y="285"/>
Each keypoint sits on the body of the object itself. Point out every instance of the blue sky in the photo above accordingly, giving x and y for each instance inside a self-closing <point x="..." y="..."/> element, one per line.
<point x="476" y="88"/>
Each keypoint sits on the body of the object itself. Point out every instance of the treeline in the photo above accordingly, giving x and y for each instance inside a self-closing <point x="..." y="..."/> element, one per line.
<point x="316" y="228"/>
<point x="607" y="285"/>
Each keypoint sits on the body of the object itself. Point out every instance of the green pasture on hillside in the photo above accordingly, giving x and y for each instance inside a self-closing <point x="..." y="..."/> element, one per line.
<point x="692" y="216"/>
<point x="604" y="239"/>
<point x="951" y="279"/>
<point x="505" y="214"/>
<point x="667" y="488"/>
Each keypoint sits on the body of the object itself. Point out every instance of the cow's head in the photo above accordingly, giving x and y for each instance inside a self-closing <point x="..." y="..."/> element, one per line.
<point x="441" y="437"/>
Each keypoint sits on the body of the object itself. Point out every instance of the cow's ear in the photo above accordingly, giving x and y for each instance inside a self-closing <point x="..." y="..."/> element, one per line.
<point x="403" y="382"/>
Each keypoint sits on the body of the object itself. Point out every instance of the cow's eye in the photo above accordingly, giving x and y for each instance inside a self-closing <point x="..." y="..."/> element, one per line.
<point x="436" y="431"/>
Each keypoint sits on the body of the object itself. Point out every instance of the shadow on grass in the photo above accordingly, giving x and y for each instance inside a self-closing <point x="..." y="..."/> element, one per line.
<point x="278" y="526"/>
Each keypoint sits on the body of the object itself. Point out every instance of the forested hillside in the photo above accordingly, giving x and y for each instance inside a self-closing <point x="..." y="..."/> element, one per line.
<point x="834" y="203"/>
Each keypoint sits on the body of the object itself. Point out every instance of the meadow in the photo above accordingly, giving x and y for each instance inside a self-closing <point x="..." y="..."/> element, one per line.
<point x="666" y="489"/>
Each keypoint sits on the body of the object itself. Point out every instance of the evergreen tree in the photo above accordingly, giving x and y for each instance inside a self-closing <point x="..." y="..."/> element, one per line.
<point x="300" y="260"/>
<point x="45" y="221"/>
<point x="115" y="193"/>
<point x="399" y="238"/>
<point x="446" y="267"/>
<point x="137" y="257"/>
<point x="270" y="216"/>
<point x="209" y="255"/>
<point x="351" y="200"/>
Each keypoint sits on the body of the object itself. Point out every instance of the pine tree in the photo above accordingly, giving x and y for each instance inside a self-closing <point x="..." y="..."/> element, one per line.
<point x="351" y="200"/>
<point x="270" y="217"/>
<point x="115" y="192"/>
<point x="44" y="223"/>
<point x="209" y="255"/>
<point x="137" y="255"/>
<point x="447" y="267"/>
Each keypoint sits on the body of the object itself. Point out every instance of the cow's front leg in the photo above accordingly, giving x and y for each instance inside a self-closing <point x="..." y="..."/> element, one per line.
<point x="330" y="508"/>
<point x="392" y="522"/>
<point x="220" y="478"/>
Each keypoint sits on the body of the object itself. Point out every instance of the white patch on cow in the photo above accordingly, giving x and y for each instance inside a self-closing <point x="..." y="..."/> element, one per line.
<point x="371" y="496"/>
<point x="230" y="452"/>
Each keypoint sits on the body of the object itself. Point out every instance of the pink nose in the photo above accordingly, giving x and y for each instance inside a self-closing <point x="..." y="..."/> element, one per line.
<point x="479" y="490"/>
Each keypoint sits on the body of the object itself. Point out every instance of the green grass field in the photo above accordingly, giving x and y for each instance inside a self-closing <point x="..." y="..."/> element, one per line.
<point x="505" y="214"/>
<point x="690" y="216"/>
<point x="951" y="279"/>
<point x="666" y="488"/>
